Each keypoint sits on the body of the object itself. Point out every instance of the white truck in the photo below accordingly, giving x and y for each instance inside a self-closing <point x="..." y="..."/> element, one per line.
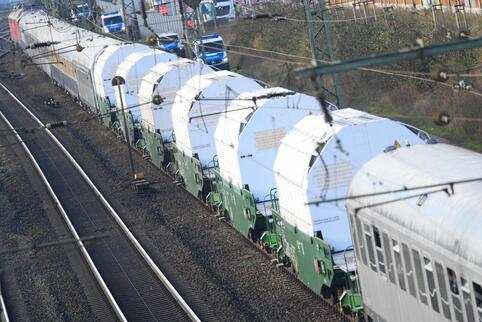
<point x="81" y="11"/>
<point x="211" y="11"/>
<point x="113" y="22"/>
<point x="171" y="42"/>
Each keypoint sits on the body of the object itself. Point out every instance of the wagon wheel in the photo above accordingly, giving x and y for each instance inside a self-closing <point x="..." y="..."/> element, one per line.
<point x="253" y="236"/>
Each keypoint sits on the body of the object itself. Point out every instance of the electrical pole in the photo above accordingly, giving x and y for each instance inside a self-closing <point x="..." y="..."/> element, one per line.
<point x="183" y="21"/>
<point x="119" y="81"/>
<point x="132" y="25"/>
<point x="135" y="23"/>
<point x="124" y="15"/>
<point x="316" y="51"/>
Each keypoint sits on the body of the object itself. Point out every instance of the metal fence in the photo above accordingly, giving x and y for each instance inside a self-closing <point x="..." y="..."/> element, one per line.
<point x="159" y="22"/>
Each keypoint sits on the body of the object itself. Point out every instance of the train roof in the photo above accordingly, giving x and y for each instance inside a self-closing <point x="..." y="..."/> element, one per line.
<point x="133" y="69"/>
<point x="106" y="65"/>
<point x="166" y="79"/>
<point x="46" y="29"/>
<point x="93" y="45"/>
<point x="451" y="221"/>
<point x="197" y="108"/>
<point x="316" y="161"/>
<point x="249" y="133"/>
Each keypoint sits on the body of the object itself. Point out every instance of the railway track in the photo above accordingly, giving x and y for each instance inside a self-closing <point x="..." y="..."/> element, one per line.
<point x="134" y="286"/>
<point x="66" y="237"/>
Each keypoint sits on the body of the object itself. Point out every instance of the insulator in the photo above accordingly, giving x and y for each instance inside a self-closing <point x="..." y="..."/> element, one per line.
<point x="152" y="40"/>
<point x="439" y="74"/>
<point x="56" y="124"/>
<point x="274" y="95"/>
<point x="325" y="110"/>
<point x="441" y="119"/>
<point x="43" y="44"/>
<point x="268" y="15"/>
<point x="157" y="100"/>
<point x="143" y="10"/>
<point x="463" y="33"/>
<point x="418" y="43"/>
<point x="79" y="48"/>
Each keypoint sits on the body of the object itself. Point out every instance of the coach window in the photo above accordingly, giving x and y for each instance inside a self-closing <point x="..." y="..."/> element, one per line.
<point x="432" y="289"/>
<point x="443" y="291"/>
<point x="478" y="299"/>
<point x="378" y="245"/>
<point x="398" y="264"/>
<point x="465" y="288"/>
<point x="454" y="290"/>
<point x="419" y="273"/>
<point x="355" y="238"/>
<point x="371" y="253"/>
<point x="409" y="270"/>
<point x="360" y="240"/>
<point x="388" y="255"/>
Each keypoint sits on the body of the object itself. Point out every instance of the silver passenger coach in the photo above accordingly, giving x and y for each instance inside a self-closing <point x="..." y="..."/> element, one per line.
<point x="419" y="251"/>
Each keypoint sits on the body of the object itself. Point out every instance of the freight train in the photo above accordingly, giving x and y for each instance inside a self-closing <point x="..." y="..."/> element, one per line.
<point x="263" y="158"/>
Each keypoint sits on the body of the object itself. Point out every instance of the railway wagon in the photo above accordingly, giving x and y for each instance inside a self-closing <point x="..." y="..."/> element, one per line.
<point x="317" y="161"/>
<point x="195" y="114"/>
<point x="157" y="129"/>
<point x="133" y="69"/>
<point x="105" y="69"/>
<point x="247" y="138"/>
<point x="66" y="53"/>
<point x="13" y="23"/>
<point x="419" y="249"/>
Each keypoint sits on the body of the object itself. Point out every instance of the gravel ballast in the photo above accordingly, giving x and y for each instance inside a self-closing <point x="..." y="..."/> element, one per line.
<point x="230" y="278"/>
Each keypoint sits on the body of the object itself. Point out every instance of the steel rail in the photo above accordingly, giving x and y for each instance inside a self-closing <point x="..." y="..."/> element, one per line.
<point x="74" y="233"/>
<point x="3" y="310"/>
<point x="151" y="264"/>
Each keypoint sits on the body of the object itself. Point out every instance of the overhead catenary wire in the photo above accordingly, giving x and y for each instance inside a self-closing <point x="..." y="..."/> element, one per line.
<point x="381" y="71"/>
<point x="283" y="17"/>
<point x="449" y="184"/>
<point x="400" y="199"/>
<point x="373" y="70"/>
<point x="55" y="243"/>
<point x="105" y="113"/>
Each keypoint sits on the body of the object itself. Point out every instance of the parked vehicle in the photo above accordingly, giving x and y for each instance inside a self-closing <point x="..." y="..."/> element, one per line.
<point x="211" y="50"/>
<point x="81" y="12"/>
<point x="214" y="11"/>
<point x="113" y="22"/>
<point x="224" y="10"/>
<point x="171" y="42"/>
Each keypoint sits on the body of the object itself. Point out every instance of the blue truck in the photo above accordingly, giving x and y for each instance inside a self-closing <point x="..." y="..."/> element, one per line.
<point x="171" y="42"/>
<point x="211" y="50"/>
<point x="81" y="11"/>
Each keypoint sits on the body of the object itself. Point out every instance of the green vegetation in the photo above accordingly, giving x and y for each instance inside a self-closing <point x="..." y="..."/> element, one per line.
<point x="414" y="99"/>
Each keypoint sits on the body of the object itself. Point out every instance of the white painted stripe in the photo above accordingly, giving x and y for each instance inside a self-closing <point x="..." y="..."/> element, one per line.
<point x="116" y="217"/>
